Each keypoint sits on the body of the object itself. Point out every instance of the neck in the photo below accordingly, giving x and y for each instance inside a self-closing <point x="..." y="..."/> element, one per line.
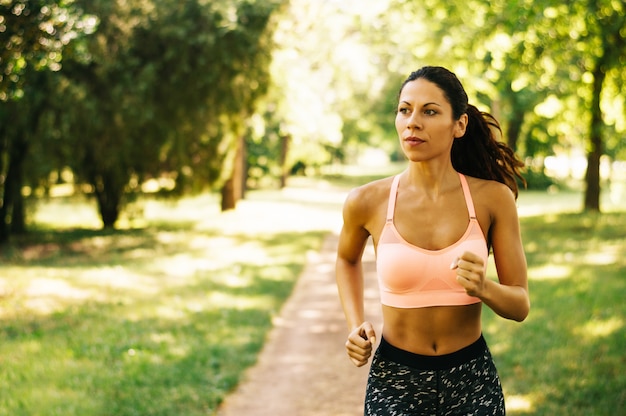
<point x="431" y="180"/>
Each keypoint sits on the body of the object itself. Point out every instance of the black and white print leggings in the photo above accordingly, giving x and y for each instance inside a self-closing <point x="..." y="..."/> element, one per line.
<point x="463" y="383"/>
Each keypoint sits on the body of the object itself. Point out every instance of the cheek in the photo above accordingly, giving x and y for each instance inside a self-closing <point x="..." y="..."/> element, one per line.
<point x="399" y="124"/>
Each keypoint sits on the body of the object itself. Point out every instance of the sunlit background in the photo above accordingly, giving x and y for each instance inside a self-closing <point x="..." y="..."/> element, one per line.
<point x="219" y="140"/>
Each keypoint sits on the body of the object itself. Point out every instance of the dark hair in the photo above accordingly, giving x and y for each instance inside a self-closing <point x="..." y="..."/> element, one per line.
<point x="478" y="153"/>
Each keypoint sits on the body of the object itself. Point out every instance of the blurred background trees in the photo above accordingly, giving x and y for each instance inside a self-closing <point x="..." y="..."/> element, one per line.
<point x="118" y="97"/>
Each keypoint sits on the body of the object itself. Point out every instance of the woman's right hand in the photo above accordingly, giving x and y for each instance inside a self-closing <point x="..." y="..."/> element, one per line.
<point x="360" y="344"/>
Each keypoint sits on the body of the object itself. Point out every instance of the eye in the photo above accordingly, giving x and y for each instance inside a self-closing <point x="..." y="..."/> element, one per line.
<point x="404" y="110"/>
<point x="430" y="112"/>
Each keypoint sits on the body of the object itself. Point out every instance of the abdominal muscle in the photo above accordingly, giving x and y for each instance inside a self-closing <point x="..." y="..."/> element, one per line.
<point x="432" y="331"/>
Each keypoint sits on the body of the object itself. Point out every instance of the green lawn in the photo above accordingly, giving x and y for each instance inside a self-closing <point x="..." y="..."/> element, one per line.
<point x="161" y="318"/>
<point x="158" y="320"/>
<point x="569" y="356"/>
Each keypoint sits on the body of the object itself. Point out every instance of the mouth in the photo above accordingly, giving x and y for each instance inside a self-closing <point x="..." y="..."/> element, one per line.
<point x="413" y="140"/>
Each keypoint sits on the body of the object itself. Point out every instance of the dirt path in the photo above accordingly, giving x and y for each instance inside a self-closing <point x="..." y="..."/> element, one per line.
<point x="303" y="369"/>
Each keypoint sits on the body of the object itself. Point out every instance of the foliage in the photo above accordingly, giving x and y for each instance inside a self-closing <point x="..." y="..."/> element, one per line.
<point x="33" y="34"/>
<point x="118" y="92"/>
<point x="529" y="63"/>
<point x="328" y="79"/>
<point x="536" y="180"/>
<point x="265" y="148"/>
<point x="141" y="89"/>
<point x="32" y="37"/>
<point x="167" y="89"/>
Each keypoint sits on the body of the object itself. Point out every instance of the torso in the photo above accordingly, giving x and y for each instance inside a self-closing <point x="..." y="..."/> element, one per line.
<point x="436" y="330"/>
<point x="432" y="224"/>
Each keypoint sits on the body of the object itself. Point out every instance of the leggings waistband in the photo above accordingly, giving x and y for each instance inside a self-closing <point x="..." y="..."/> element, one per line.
<point x="433" y="362"/>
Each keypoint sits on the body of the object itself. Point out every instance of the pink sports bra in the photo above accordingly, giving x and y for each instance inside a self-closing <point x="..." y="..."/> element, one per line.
<point x="413" y="277"/>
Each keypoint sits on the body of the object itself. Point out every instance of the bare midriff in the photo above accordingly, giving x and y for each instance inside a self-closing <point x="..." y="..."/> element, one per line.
<point x="434" y="330"/>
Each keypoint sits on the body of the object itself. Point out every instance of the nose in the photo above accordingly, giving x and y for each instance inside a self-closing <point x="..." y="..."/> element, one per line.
<point x="413" y="121"/>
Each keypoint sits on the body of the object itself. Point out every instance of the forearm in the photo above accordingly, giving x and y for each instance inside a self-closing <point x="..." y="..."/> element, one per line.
<point x="350" y="286"/>
<point x="510" y="302"/>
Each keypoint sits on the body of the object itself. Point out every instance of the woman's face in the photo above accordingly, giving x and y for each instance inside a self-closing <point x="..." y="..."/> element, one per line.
<point x="425" y="123"/>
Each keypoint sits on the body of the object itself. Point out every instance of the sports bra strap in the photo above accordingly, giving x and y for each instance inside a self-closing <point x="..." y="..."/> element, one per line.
<point x="468" y="197"/>
<point x="393" y="193"/>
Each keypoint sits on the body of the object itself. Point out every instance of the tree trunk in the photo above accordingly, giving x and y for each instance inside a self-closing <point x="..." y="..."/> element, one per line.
<point x="5" y="213"/>
<point x="11" y="201"/>
<point x="18" y="214"/>
<point x="592" y="176"/>
<point x="108" y="190"/>
<point x="109" y="207"/>
<point x="243" y="167"/>
<point x="515" y="127"/>
<point x="4" y="230"/>
<point x="228" y="195"/>
<point x="232" y="191"/>
<point x="284" y="149"/>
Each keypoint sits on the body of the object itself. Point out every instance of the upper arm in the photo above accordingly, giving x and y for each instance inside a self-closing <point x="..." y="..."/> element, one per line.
<point x="506" y="239"/>
<point x="354" y="234"/>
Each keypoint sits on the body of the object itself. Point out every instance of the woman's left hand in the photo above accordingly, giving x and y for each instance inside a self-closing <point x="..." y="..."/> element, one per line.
<point x="470" y="273"/>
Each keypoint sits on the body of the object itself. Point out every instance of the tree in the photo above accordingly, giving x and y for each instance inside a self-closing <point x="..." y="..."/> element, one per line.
<point x="165" y="89"/>
<point x="32" y="41"/>
<point x="583" y="47"/>
<point x="605" y="27"/>
<point x="559" y="51"/>
<point x="140" y="89"/>
<point x="541" y="67"/>
<point x="252" y="82"/>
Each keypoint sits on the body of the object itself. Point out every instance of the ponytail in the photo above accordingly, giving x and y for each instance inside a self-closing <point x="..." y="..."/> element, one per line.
<point x="480" y="154"/>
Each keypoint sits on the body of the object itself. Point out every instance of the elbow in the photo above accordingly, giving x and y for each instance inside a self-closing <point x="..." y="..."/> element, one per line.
<point x="518" y="316"/>
<point x="519" y="309"/>
<point x="521" y="317"/>
<point x="523" y="311"/>
<point x="344" y="263"/>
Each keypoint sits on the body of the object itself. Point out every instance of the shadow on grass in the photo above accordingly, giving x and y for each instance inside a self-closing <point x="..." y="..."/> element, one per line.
<point x="45" y="247"/>
<point x="160" y="344"/>
<point x="569" y="356"/>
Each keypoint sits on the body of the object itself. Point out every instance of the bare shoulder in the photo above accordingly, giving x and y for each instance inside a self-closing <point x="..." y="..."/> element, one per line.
<point x="490" y="188"/>
<point x="492" y="196"/>
<point x="364" y="203"/>
<point x="368" y="196"/>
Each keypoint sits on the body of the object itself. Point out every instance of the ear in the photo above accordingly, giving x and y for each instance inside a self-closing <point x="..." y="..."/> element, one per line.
<point x="460" y="126"/>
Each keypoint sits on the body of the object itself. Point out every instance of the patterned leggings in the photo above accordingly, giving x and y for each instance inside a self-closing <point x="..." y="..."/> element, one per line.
<point x="461" y="383"/>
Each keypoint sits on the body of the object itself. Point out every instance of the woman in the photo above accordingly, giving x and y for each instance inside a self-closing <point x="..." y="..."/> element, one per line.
<point x="432" y="226"/>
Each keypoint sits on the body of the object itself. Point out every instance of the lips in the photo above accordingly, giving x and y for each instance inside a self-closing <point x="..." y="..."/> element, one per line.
<point x="414" y="140"/>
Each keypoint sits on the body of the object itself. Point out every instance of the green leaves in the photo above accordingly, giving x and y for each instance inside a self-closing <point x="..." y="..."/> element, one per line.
<point x="169" y="81"/>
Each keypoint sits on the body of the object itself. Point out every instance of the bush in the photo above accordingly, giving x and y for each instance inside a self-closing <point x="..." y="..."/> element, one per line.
<point x="537" y="180"/>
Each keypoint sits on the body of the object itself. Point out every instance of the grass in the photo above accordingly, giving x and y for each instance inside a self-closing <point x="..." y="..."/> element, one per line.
<point x="568" y="357"/>
<point x="157" y="320"/>
<point x="162" y="317"/>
